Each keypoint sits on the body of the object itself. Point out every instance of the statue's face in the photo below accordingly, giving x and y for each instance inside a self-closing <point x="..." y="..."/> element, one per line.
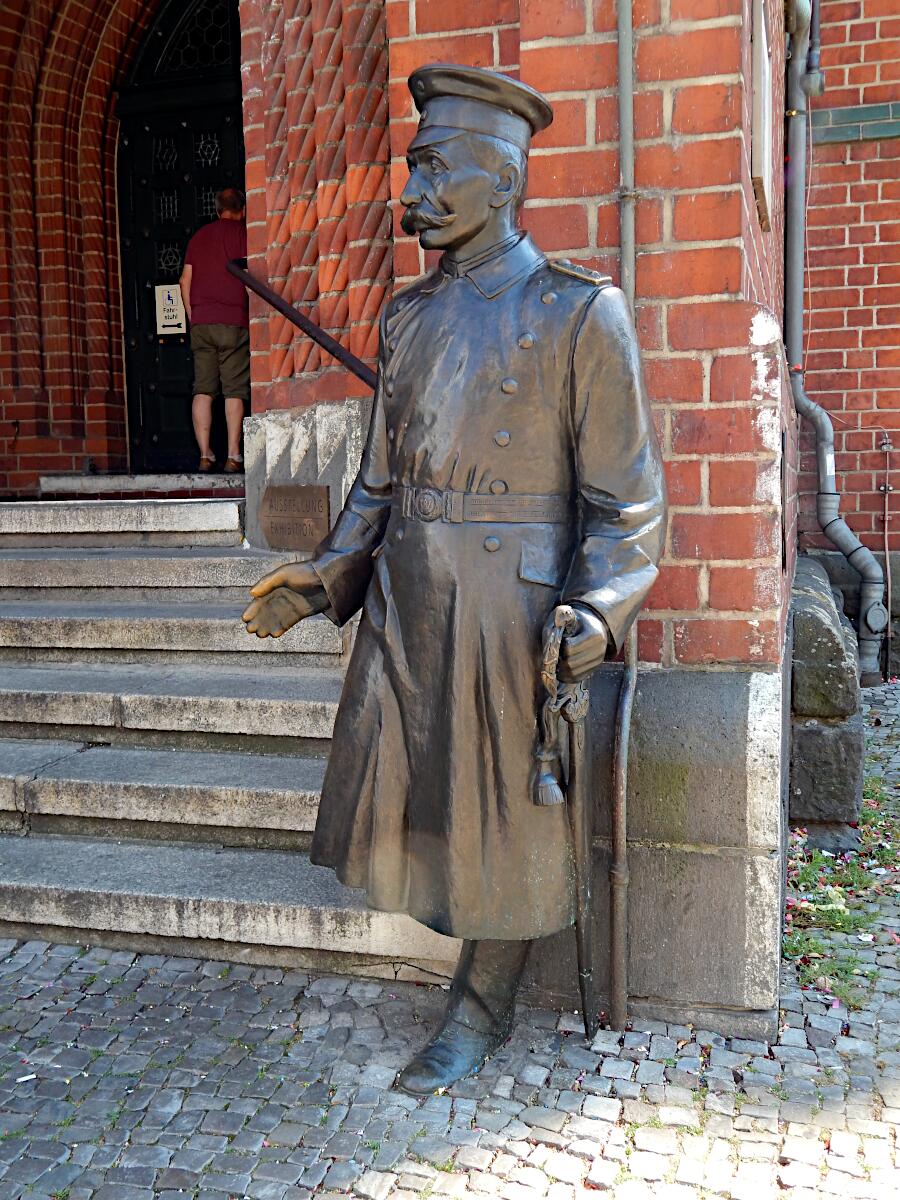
<point x="452" y="193"/>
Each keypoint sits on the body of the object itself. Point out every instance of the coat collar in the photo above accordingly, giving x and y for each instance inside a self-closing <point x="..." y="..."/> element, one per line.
<point x="501" y="267"/>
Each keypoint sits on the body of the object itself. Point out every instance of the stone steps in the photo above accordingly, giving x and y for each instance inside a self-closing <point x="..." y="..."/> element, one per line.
<point x="184" y="702"/>
<point x="231" y="901"/>
<point x="161" y="632"/>
<point x="198" y="796"/>
<point x="160" y="770"/>
<point x="133" y="573"/>
<point x="121" y="522"/>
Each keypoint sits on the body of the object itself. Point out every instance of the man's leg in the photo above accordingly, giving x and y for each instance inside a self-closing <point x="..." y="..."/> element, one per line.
<point x="201" y="415"/>
<point x="234" y="419"/>
<point x="234" y="367"/>
<point x="478" y="1018"/>
<point x="206" y="384"/>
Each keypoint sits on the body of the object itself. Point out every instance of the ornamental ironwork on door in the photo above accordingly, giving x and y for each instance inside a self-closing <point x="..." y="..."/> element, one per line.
<point x="181" y="140"/>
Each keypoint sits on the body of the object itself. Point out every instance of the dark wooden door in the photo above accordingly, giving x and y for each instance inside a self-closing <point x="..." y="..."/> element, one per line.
<point x="181" y="140"/>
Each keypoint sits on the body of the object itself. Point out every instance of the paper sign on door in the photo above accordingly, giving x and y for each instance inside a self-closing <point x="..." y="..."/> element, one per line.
<point x="170" y="316"/>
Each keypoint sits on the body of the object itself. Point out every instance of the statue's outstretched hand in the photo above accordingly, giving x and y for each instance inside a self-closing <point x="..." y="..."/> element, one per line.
<point x="282" y="598"/>
<point x="583" y="651"/>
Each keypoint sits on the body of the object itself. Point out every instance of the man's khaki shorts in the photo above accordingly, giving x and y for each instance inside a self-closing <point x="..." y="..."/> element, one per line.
<point x="221" y="360"/>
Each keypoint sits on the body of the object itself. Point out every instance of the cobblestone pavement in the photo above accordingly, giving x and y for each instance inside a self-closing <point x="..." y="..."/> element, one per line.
<point x="125" y="1077"/>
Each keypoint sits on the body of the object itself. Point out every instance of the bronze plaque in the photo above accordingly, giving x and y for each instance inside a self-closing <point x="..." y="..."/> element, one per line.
<point x="294" y="516"/>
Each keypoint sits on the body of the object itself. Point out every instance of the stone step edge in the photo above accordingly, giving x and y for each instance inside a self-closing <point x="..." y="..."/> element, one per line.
<point x="80" y="485"/>
<point x="118" y="707"/>
<point x="35" y="780"/>
<point x="43" y="517"/>
<point x="189" y="892"/>
<point x="96" y="568"/>
<point x="189" y="630"/>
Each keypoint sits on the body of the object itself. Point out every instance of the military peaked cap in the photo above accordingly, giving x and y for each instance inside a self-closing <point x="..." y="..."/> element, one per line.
<point x="454" y="100"/>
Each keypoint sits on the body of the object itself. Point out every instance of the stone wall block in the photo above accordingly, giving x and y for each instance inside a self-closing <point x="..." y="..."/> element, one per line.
<point x="704" y="765"/>
<point x="703" y="932"/>
<point x="826" y="669"/>
<point x="705" y="845"/>
<point x="827" y="766"/>
<point x="321" y="444"/>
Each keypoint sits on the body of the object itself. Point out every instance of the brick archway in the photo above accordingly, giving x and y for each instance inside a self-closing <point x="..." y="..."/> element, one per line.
<point x="60" y="339"/>
<point x="316" y="133"/>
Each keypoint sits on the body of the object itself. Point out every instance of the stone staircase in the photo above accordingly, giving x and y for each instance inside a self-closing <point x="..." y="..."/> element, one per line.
<point x="159" y="769"/>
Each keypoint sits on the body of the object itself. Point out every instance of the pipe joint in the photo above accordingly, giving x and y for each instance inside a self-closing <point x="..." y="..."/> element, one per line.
<point x="876" y="618"/>
<point x="813" y="82"/>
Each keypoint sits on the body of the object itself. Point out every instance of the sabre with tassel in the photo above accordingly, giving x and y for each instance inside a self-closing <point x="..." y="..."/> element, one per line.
<point x="569" y="701"/>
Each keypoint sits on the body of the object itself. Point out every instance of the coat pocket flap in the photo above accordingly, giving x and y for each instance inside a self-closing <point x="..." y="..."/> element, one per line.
<point x="540" y="564"/>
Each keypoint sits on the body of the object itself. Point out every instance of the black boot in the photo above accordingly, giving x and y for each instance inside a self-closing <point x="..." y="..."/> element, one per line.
<point x="478" y="1018"/>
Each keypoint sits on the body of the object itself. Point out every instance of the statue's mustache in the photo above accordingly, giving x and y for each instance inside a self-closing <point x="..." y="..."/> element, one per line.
<point x="423" y="216"/>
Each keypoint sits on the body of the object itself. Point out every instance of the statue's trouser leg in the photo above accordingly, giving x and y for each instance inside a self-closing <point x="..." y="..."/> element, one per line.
<point x="478" y="1018"/>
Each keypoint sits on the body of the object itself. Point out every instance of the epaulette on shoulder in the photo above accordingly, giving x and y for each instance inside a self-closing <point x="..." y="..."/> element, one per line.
<point x="577" y="271"/>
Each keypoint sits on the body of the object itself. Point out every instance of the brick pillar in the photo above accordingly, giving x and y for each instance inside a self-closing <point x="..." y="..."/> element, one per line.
<point x="708" y="307"/>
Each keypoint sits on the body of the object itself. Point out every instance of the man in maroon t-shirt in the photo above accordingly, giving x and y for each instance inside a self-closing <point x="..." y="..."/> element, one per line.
<point x="216" y="305"/>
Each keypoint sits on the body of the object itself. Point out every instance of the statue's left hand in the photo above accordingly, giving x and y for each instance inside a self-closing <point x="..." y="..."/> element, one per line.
<point x="583" y="651"/>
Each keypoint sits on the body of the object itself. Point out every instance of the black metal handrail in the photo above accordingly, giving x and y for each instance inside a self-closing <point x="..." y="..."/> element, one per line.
<point x="238" y="268"/>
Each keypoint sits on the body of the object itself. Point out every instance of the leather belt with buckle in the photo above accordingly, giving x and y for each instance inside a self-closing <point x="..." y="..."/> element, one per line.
<point x="430" y="504"/>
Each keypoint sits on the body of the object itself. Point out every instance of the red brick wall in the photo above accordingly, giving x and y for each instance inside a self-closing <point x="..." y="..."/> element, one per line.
<point x="61" y="376"/>
<point x="708" y="278"/>
<point x="315" y="118"/>
<point x="860" y="52"/>
<point x="853" y="356"/>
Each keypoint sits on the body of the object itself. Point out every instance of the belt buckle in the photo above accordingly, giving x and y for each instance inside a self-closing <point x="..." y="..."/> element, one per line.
<point x="428" y="506"/>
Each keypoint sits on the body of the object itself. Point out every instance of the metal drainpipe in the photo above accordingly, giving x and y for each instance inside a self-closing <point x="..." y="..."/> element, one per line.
<point x="618" y="871"/>
<point x="805" y="79"/>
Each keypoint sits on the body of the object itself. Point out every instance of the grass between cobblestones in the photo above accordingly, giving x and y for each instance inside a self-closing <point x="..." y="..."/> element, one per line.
<point x="837" y="894"/>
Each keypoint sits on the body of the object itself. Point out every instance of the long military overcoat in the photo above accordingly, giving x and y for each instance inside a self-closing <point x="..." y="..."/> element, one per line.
<point x="510" y="378"/>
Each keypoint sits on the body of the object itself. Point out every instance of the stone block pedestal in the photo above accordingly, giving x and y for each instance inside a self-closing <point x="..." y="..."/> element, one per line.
<point x="828" y="739"/>
<point x="318" y="445"/>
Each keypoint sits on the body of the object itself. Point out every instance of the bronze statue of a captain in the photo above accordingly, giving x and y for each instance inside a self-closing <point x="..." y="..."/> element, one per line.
<point x="511" y="466"/>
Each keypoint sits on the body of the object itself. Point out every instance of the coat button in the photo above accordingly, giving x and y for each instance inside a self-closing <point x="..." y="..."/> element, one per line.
<point x="390" y="435"/>
<point x="498" y="487"/>
<point x="509" y="386"/>
<point x="392" y="344"/>
<point x="491" y="544"/>
<point x="398" y="536"/>
<point x="548" y="297"/>
<point x="526" y="340"/>
<point x="389" y="388"/>
<point x="501" y="437"/>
